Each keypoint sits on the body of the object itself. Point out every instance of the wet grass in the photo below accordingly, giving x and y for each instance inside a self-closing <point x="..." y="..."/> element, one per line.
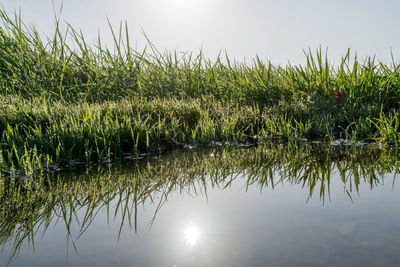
<point x="64" y="100"/>
<point x="74" y="196"/>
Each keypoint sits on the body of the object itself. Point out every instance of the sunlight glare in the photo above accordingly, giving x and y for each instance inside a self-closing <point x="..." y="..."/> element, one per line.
<point x="192" y="234"/>
<point x="183" y="7"/>
<point x="182" y="3"/>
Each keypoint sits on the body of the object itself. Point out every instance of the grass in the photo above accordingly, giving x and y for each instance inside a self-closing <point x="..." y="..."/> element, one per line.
<point x="75" y="196"/>
<point x="64" y="100"/>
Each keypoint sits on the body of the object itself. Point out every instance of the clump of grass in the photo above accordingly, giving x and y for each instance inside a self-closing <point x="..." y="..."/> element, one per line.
<point x="388" y="128"/>
<point x="95" y="132"/>
<point x="64" y="100"/>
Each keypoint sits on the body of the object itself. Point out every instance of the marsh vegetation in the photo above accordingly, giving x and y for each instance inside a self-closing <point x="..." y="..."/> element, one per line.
<point x="64" y="100"/>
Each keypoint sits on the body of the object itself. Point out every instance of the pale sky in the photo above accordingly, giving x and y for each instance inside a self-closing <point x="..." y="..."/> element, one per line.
<point x="275" y="30"/>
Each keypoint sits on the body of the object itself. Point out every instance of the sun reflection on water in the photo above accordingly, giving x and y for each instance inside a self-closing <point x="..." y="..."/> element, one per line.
<point x="192" y="234"/>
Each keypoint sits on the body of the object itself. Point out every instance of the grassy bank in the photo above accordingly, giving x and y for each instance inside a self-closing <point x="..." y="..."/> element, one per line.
<point x="64" y="100"/>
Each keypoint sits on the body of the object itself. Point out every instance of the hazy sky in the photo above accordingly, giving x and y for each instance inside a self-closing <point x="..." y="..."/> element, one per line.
<point x="275" y="30"/>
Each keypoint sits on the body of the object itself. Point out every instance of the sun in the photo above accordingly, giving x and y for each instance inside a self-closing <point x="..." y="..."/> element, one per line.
<point x="183" y="5"/>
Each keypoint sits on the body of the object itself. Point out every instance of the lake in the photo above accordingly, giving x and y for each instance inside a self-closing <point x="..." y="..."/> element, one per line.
<point x="306" y="204"/>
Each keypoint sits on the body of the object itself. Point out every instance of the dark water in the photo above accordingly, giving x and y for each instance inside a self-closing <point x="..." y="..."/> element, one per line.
<point x="283" y="206"/>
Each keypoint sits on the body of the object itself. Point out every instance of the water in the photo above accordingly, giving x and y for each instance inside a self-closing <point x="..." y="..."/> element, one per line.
<point x="273" y="206"/>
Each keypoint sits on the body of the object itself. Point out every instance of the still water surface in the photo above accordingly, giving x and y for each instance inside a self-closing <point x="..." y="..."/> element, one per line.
<point x="239" y="210"/>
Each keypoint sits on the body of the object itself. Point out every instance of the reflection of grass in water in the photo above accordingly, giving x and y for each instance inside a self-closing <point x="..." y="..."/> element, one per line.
<point x="27" y="205"/>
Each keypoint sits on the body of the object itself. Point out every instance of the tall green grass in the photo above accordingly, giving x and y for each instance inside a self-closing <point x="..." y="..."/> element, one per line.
<point x="64" y="100"/>
<point x="66" y="67"/>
